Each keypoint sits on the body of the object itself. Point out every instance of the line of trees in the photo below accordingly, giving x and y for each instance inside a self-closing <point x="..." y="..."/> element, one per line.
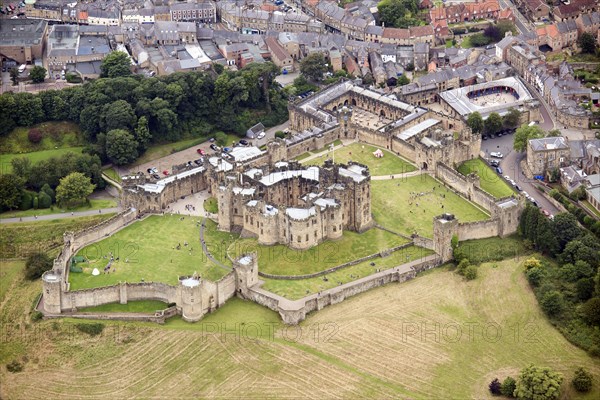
<point x="567" y="285"/>
<point x="494" y="122"/>
<point x="122" y="114"/>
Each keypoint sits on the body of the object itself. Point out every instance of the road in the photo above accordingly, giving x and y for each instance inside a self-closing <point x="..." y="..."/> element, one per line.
<point x="60" y="216"/>
<point x="523" y="25"/>
<point x="511" y="166"/>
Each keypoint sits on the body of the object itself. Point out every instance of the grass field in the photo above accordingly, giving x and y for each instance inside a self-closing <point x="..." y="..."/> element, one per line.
<point x="9" y="271"/>
<point x="282" y="260"/>
<point x="490" y="181"/>
<point x="373" y="345"/>
<point x="149" y="246"/>
<point x="95" y="204"/>
<point x="161" y="150"/>
<point x="394" y="207"/>
<point x="112" y="174"/>
<point x="296" y="289"/>
<point x="494" y="249"/>
<point x="54" y="135"/>
<point x="363" y="153"/>
<point x="35" y="157"/>
<point x="19" y="239"/>
<point x="142" y="306"/>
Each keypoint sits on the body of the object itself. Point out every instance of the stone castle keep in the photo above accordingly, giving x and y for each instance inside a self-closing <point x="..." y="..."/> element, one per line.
<point x="265" y="195"/>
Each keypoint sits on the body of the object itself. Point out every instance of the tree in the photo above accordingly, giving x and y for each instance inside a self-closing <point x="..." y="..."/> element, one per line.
<point x="44" y="201"/>
<point x="115" y="64"/>
<point x="524" y="134"/>
<point x="11" y="191"/>
<point x="399" y="13"/>
<point x="538" y="383"/>
<point x="403" y="80"/>
<point x="587" y="43"/>
<point x="475" y="122"/>
<point x="21" y="167"/>
<point x="221" y="138"/>
<point x="313" y="66"/>
<point x="74" y="188"/>
<point x="554" y="133"/>
<point x="511" y="119"/>
<point x="495" y="386"/>
<point x="591" y="311"/>
<point x="36" y="265"/>
<point x="493" y="124"/>
<point x="121" y="147"/>
<point x="535" y="276"/>
<point x="585" y="288"/>
<point x="508" y="387"/>
<point x="118" y="115"/>
<point x="37" y="74"/>
<point x="565" y="228"/>
<point x="142" y="133"/>
<point x="14" y="75"/>
<point x="582" y="380"/>
<point x="552" y="302"/>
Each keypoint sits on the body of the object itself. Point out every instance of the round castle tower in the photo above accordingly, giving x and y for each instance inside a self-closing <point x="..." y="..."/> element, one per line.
<point x="190" y="289"/>
<point x="52" y="287"/>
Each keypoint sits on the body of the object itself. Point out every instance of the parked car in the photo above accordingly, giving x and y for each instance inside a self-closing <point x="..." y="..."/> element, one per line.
<point x="496" y="154"/>
<point x="261" y="135"/>
<point x="226" y="149"/>
<point x="214" y="147"/>
<point x="201" y="152"/>
<point x="152" y="170"/>
<point x="156" y="176"/>
<point x="518" y="188"/>
<point x="212" y="139"/>
<point x="244" y="142"/>
<point x="526" y="194"/>
<point x="499" y="170"/>
<point x="546" y="212"/>
<point x="199" y="161"/>
<point x="494" y="163"/>
<point x="165" y="172"/>
<point x="507" y="178"/>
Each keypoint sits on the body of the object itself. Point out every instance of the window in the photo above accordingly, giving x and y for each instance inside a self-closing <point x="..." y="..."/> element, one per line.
<point x="307" y="237"/>
<point x="298" y="238"/>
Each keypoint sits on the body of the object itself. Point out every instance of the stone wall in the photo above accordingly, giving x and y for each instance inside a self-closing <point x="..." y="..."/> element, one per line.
<point x="404" y="149"/>
<point x="477" y="229"/>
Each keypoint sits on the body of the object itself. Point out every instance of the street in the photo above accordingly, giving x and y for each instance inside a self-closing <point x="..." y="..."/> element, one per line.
<point x="511" y="166"/>
<point x="523" y="25"/>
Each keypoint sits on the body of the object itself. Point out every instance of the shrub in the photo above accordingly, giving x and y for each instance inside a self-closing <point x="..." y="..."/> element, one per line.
<point x="552" y="302"/>
<point x="582" y="380"/>
<point x="34" y="135"/>
<point x="90" y="329"/>
<point x="36" y="316"/>
<point x="44" y="200"/>
<point x="36" y="265"/>
<point x="585" y="288"/>
<point x="462" y="266"/>
<point x="48" y="190"/>
<point x="535" y="276"/>
<point x="26" y="201"/>
<point x="495" y="387"/>
<point x="508" y="387"/>
<point x="36" y="202"/>
<point x="14" y="366"/>
<point x="280" y="134"/>
<point x="471" y="272"/>
<point x="532" y="263"/>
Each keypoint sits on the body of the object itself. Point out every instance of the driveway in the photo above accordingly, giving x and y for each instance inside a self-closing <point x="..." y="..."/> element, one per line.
<point x="511" y="166"/>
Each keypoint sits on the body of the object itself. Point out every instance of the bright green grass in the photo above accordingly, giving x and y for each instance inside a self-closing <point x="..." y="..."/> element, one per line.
<point x="363" y="153"/>
<point x="466" y="43"/>
<point x="35" y="157"/>
<point x="17" y="240"/>
<point x="336" y="142"/>
<point x="232" y="317"/>
<point x="296" y="289"/>
<point x="141" y="306"/>
<point x="591" y="207"/>
<point x="112" y="174"/>
<point x="490" y="181"/>
<point x="281" y="260"/>
<point x="9" y="271"/>
<point x="391" y="208"/>
<point x="95" y="204"/>
<point x="149" y="247"/>
<point x="211" y="205"/>
<point x="303" y="156"/>
<point x="54" y="135"/>
<point x="494" y="249"/>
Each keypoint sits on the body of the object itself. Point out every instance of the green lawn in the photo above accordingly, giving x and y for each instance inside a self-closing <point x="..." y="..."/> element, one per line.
<point x="211" y="205"/>
<point x="336" y="142"/>
<point x="35" y="157"/>
<point x="150" y="246"/>
<point x="466" y="43"/>
<point x="296" y="289"/>
<point x="591" y="207"/>
<point x="19" y="239"/>
<point x="55" y="135"/>
<point x="494" y="249"/>
<point x="94" y="205"/>
<point x="363" y="153"/>
<point x="141" y="306"/>
<point x="392" y="208"/>
<point x="490" y="181"/>
<point x="281" y="260"/>
<point x="112" y="174"/>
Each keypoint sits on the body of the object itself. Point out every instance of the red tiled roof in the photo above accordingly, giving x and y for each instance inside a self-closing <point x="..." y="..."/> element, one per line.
<point x="395" y="33"/>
